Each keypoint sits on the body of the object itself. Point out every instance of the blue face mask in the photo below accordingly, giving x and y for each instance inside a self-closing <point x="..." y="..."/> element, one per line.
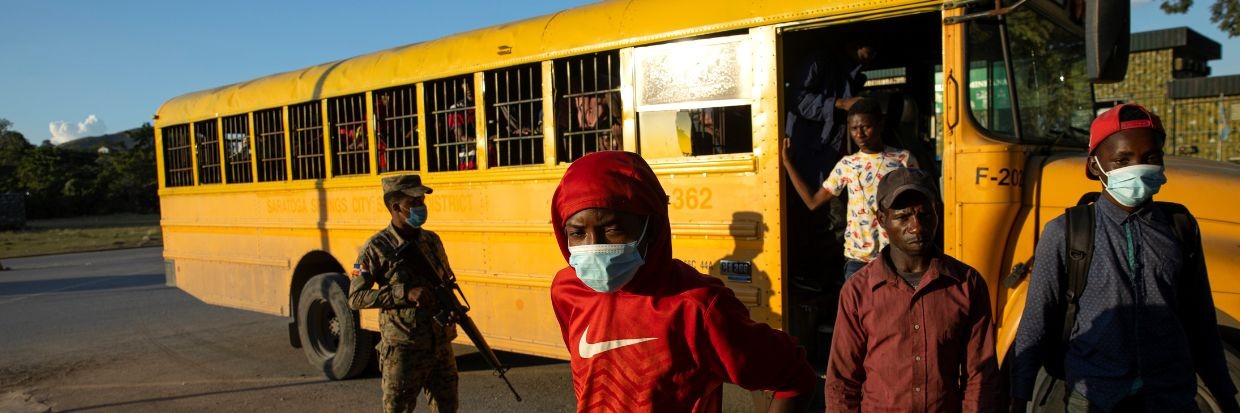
<point x="1133" y="185"/>
<point x="417" y="216"/>
<point x="607" y="267"/>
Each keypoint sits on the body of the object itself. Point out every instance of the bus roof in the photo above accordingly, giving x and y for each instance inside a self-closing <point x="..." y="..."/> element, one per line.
<point x="607" y="25"/>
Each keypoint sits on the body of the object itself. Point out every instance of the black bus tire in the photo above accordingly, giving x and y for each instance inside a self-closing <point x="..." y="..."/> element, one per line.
<point x="331" y="334"/>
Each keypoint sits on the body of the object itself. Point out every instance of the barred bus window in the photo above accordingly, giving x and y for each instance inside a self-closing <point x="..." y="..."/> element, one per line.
<point x="693" y="97"/>
<point x="208" y="141"/>
<point x="269" y="145"/>
<point x="720" y="130"/>
<point x="347" y="117"/>
<point x="178" y="167"/>
<point x="396" y="129"/>
<point x="588" y="119"/>
<point x="451" y="127"/>
<point x="305" y="123"/>
<point x="237" y="154"/>
<point x="514" y="116"/>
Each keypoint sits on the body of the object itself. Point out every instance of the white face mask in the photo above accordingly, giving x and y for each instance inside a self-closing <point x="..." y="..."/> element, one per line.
<point x="1134" y="184"/>
<point x="607" y="267"/>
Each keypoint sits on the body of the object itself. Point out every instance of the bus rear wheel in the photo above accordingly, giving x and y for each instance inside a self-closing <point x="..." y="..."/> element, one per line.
<point x="331" y="335"/>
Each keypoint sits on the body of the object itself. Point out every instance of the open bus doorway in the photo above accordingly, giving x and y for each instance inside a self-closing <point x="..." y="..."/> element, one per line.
<point x="907" y="52"/>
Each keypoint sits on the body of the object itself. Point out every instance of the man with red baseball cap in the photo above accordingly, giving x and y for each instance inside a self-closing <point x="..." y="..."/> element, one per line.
<point x="1126" y="320"/>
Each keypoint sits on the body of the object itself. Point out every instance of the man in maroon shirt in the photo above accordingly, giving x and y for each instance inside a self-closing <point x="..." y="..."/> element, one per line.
<point x="914" y="330"/>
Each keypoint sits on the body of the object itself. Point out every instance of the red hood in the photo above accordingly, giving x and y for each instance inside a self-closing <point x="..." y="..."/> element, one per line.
<point x="621" y="181"/>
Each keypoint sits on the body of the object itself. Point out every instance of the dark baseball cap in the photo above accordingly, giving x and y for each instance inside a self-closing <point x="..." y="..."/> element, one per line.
<point x="902" y="180"/>
<point x="409" y="184"/>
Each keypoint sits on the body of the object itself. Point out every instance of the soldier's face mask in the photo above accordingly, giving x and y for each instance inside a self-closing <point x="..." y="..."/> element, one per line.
<point x="417" y="216"/>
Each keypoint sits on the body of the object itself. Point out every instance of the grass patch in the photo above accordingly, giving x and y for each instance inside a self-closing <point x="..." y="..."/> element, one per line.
<point x="81" y="234"/>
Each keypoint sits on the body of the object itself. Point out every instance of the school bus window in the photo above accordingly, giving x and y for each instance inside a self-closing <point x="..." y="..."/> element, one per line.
<point x="587" y="90"/>
<point x="514" y="116"/>
<point x="347" y="117"/>
<point x="208" y="142"/>
<point x="177" y="164"/>
<point x="306" y="137"/>
<point x="1053" y="96"/>
<point x="237" y="156"/>
<point x="693" y="97"/>
<point x="269" y="140"/>
<point x="452" y="130"/>
<point x="396" y="128"/>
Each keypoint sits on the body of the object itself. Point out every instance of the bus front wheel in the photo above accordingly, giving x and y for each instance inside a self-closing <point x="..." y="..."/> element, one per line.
<point x="331" y="336"/>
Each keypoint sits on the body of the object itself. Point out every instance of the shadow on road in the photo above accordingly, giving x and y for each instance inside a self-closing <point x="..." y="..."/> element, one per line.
<point x="472" y="361"/>
<point x="62" y="285"/>
<point x="189" y="396"/>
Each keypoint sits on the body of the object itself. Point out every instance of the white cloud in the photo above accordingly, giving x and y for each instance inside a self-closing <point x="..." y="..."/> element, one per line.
<point x="64" y="131"/>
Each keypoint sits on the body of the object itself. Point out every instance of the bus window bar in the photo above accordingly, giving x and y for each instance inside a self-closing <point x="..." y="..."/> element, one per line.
<point x="396" y="129"/>
<point x="208" y="152"/>
<point x="307" y="140"/>
<point x="237" y="153"/>
<point x="349" y="135"/>
<point x="269" y="125"/>
<point x="177" y="164"/>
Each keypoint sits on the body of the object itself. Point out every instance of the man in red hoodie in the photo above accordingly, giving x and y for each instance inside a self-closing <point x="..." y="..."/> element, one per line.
<point x="648" y="333"/>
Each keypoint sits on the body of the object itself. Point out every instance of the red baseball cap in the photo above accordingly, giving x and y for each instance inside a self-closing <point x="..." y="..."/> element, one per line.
<point x="1109" y="123"/>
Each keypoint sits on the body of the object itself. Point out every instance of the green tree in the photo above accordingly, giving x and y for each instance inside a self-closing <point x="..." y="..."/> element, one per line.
<point x="13" y="147"/>
<point x="1224" y="13"/>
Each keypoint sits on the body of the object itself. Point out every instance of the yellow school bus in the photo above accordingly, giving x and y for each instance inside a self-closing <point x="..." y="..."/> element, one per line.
<point x="268" y="187"/>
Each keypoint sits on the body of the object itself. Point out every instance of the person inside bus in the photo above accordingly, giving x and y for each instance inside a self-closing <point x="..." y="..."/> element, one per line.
<point x="592" y="117"/>
<point x="829" y="84"/>
<point x="914" y="331"/>
<point x="415" y="352"/>
<point x="645" y="331"/>
<point x="1145" y="325"/>
<point x="512" y="122"/>
<point x="460" y="122"/>
<point x="857" y="175"/>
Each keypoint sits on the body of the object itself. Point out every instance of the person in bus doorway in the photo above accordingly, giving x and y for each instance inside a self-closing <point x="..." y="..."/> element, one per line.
<point x="644" y="331"/>
<point x="817" y="125"/>
<point x="415" y="353"/>
<point x="914" y="331"/>
<point x="857" y="175"/>
<point x="1142" y="327"/>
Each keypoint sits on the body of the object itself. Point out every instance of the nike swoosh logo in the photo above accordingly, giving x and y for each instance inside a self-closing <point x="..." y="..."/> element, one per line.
<point x="587" y="349"/>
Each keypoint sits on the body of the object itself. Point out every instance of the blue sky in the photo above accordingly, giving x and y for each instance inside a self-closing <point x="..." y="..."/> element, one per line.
<point x="73" y="68"/>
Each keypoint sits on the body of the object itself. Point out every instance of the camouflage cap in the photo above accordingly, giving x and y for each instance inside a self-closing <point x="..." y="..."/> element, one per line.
<point x="409" y="184"/>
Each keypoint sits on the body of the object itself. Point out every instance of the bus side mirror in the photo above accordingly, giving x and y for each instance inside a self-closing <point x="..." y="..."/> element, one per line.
<point x="1107" y="25"/>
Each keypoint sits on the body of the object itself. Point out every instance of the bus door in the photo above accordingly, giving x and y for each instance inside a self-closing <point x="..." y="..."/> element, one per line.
<point x="904" y="54"/>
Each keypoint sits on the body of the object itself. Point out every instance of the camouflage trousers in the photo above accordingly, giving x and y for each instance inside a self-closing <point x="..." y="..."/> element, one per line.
<point x="408" y="369"/>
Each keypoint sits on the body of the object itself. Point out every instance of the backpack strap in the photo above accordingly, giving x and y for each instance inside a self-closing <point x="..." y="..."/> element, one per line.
<point x="1185" y="229"/>
<point x="1080" y="252"/>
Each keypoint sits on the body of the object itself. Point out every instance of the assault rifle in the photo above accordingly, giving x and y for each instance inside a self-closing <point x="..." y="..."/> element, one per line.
<point x="448" y="297"/>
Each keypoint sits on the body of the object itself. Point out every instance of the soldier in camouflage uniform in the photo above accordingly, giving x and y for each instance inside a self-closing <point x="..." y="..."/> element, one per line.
<point x="415" y="353"/>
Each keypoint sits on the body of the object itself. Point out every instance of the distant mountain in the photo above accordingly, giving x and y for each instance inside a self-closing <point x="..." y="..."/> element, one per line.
<point x="120" y="141"/>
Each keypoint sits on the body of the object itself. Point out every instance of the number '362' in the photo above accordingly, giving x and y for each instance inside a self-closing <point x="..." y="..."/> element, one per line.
<point x="692" y="198"/>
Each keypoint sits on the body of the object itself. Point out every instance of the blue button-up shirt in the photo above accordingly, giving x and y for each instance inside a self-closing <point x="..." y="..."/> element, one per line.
<point x="1134" y="331"/>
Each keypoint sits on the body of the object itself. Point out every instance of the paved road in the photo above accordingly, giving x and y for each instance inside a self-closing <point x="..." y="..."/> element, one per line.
<point x="95" y="332"/>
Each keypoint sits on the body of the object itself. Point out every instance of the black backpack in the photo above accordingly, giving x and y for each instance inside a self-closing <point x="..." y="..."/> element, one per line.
<point x="1080" y="252"/>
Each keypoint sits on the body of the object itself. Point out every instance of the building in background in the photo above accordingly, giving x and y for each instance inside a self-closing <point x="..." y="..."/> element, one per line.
<point x="1169" y="72"/>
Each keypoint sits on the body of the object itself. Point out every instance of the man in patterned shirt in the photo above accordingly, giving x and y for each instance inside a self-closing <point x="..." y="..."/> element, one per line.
<point x="858" y="174"/>
<point x="416" y="352"/>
